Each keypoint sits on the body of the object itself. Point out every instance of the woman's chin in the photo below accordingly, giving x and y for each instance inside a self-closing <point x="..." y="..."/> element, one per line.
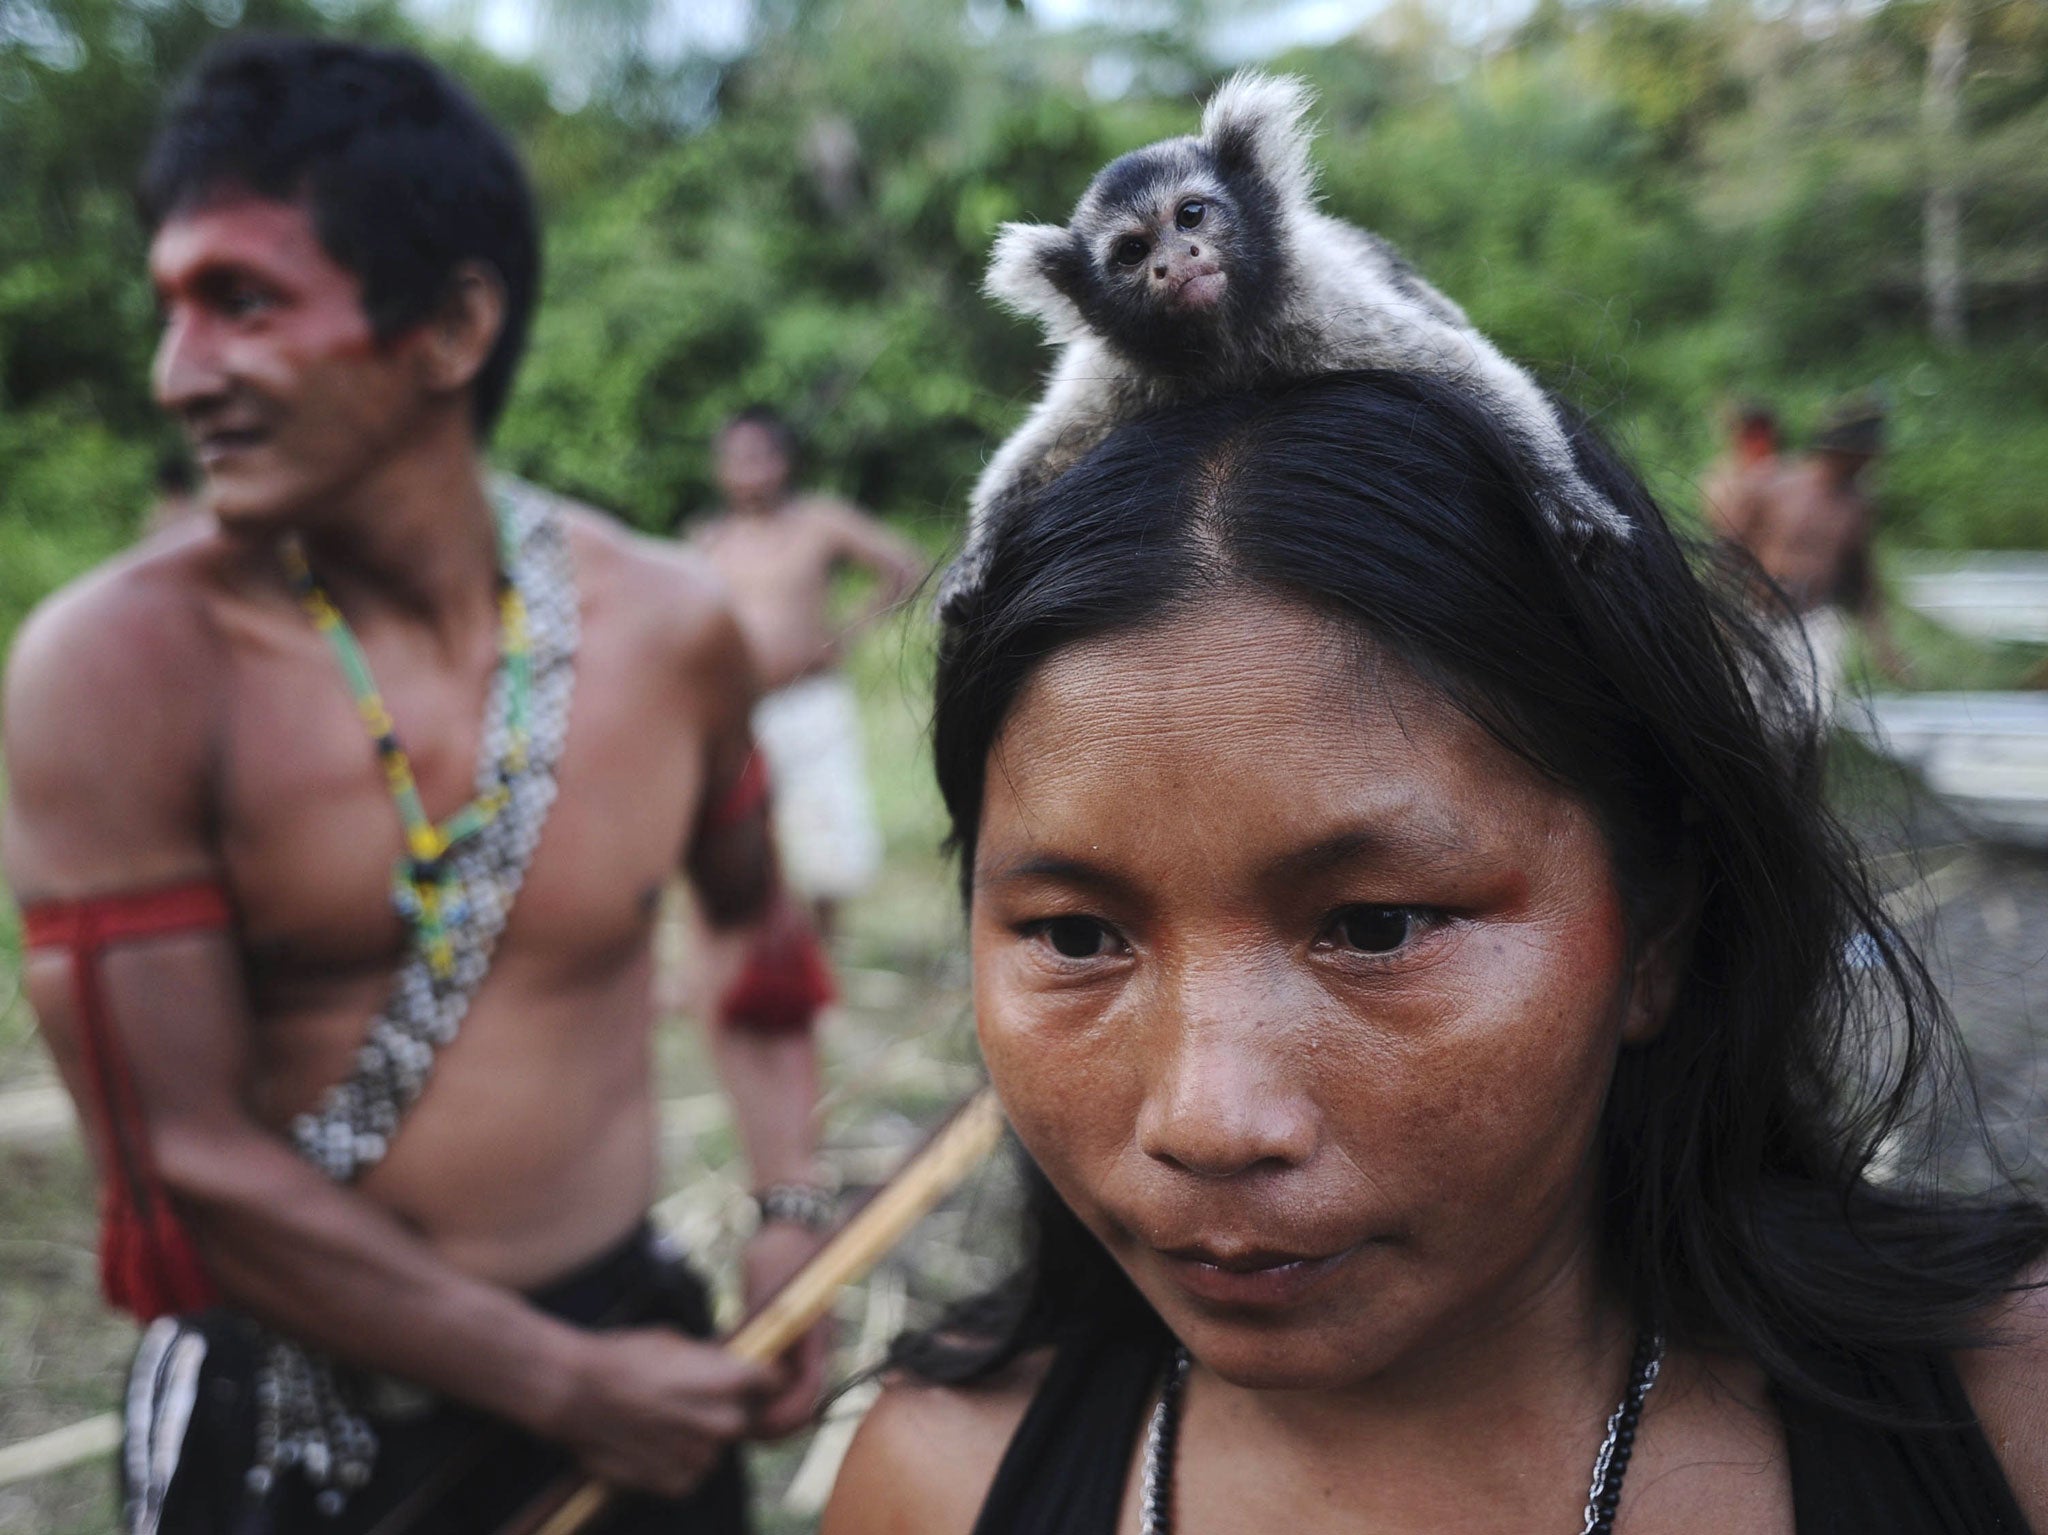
<point x="1267" y="1357"/>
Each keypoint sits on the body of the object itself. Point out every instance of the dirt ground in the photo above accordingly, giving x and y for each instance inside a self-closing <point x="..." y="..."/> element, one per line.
<point x="900" y="1051"/>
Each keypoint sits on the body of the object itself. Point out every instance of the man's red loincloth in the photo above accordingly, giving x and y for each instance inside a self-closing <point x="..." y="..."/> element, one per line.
<point x="786" y="978"/>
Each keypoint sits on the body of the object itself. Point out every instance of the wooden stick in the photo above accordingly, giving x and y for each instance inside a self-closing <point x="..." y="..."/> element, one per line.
<point x="59" y="1448"/>
<point x="929" y="1176"/>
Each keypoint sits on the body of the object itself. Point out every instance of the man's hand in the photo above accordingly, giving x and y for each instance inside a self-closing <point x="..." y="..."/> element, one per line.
<point x="652" y="1410"/>
<point x="777" y="1251"/>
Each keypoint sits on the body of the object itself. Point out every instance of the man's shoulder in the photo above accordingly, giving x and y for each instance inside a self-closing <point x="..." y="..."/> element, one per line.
<point x="141" y="621"/>
<point x="109" y="720"/>
<point x="665" y="592"/>
<point x="824" y="511"/>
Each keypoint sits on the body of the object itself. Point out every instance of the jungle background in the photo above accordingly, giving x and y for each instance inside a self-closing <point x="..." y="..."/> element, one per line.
<point x="1660" y="207"/>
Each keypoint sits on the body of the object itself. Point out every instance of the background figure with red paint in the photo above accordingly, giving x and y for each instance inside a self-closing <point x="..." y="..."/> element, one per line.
<point x="1806" y="528"/>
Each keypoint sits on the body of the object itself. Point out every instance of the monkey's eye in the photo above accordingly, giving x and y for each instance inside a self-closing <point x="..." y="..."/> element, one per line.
<point x="1189" y="214"/>
<point x="1130" y="250"/>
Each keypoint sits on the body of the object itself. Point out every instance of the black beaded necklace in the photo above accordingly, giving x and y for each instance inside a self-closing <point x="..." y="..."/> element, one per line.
<point x="1603" y="1498"/>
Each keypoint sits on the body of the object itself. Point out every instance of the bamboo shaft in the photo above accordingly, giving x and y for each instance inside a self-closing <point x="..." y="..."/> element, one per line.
<point x="931" y="1174"/>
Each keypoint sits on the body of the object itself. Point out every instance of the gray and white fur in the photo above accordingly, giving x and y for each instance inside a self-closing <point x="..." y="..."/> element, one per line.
<point x="1201" y="265"/>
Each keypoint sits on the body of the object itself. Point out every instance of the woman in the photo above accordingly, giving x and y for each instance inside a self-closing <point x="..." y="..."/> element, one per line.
<point x="1421" y="980"/>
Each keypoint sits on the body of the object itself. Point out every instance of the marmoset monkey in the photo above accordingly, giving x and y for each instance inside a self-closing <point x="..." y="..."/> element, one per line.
<point x="1201" y="265"/>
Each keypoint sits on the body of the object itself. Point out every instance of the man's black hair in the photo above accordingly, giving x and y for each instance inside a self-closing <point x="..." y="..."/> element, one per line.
<point x="770" y="420"/>
<point x="1853" y="428"/>
<point x="404" y="175"/>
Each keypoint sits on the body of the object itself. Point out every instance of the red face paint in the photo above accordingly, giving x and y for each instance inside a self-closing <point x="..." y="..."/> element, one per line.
<point x="270" y="362"/>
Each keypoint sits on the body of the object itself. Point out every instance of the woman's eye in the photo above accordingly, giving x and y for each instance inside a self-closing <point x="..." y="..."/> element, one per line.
<point x="1075" y="937"/>
<point x="1129" y="251"/>
<point x="1189" y="214"/>
<point x="1375" y="929"/>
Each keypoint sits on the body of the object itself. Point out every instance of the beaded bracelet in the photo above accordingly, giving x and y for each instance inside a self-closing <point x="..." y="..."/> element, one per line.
<point x="801" y="1204"/>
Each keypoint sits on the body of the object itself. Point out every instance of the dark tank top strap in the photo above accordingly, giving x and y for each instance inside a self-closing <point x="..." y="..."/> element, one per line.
<point x="1066" y="1466"/>
<point x="1852" y="1477"/>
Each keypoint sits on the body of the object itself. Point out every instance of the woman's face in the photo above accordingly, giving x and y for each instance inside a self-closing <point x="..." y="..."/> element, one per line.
<point x="1303" y="991"/>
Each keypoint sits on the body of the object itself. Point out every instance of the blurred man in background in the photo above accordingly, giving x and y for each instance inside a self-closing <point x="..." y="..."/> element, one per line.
<point x="339" y="915"/>
<point x="778" y="552"/>
<point x="1741" y="473"/>
<point x="1809" y="528"/>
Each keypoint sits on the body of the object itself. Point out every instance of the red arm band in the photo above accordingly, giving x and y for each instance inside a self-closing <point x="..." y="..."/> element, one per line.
<point x="149" y="1264"/>
<point x="785" y="983"/>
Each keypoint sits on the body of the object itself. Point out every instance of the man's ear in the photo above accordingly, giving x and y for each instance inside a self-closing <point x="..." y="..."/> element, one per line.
<point x="464" y="327"/>
<point x="1662" y="958"/>
<point x="1038" y="270"/>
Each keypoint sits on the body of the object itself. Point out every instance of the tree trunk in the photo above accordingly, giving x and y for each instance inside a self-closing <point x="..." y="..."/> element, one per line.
<point x="1941" y="114"/>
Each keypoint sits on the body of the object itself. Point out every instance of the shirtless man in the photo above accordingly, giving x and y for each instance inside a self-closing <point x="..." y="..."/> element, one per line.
<point x="778" y="553"/>
<point x="1809" y="529"/>
<point x="1751" y="462"/>
<point x="203" y="836"/>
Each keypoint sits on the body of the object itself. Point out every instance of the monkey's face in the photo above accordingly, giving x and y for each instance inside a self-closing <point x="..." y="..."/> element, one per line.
<point x="1170" y="258"/>
<point x="1168" y="253"/>
<point x="1169" y="249"/>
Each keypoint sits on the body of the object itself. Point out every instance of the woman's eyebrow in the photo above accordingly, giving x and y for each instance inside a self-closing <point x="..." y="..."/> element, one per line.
<point x="1406" y="841"/>
<point x="1052" y="868"/>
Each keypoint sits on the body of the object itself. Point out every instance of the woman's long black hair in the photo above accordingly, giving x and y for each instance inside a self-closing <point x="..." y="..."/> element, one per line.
<point x="1740" y="1210"/>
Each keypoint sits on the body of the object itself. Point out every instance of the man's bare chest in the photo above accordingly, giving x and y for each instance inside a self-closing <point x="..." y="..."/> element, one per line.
<point x="312" y="838"/>
<point x="1813" y="531"/>
<point x="779" y="562"/>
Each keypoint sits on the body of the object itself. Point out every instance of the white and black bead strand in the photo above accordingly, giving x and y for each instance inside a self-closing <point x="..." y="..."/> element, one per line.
<point x="1604" y="1500"/>
<point x="1161" y="1442"/>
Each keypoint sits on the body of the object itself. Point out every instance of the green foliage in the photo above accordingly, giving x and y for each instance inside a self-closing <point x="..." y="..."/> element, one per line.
<point x="1659" y="206"/>
<point x="72" y="489"/>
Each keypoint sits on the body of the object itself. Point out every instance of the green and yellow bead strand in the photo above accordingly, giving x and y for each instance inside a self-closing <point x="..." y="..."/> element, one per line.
<point x="424" y="889"/>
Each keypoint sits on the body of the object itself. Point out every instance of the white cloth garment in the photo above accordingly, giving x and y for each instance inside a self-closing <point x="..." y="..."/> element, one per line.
<point x="824" y="820"/>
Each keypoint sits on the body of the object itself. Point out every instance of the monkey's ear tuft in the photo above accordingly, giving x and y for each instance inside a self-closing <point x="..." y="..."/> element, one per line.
<point x="1257" y="122"/>
<point x="1039" y="271"/>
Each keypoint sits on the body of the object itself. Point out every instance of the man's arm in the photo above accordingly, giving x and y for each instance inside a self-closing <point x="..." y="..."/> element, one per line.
<point x="108" y="734"/>
<point x="1862" y="592"/>
<point x="771" y="1077"/>
<point x="865" y="543"/>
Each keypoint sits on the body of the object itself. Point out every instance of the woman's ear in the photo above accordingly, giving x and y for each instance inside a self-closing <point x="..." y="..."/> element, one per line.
<point x="1662" y="958"/>
<point x="463" y="329"/>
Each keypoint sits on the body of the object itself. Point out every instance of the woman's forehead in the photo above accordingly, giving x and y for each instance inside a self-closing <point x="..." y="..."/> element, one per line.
<point x="1262" y="715"/>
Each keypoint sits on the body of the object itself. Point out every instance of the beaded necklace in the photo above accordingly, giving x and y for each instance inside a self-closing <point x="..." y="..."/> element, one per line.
<point x="424" y="889"/>
<point x="454" y="888"/>
<point x="1603" y="1499"/>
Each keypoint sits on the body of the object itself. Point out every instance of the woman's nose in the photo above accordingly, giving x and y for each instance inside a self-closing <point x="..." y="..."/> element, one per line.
<point x="1225" y="1093"/>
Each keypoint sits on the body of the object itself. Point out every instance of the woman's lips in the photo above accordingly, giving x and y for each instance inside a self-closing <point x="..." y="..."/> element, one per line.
<point x="1267" y="1279"/>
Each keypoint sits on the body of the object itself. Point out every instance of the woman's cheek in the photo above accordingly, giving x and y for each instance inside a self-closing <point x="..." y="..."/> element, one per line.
<point x="1060" y="1071"/>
